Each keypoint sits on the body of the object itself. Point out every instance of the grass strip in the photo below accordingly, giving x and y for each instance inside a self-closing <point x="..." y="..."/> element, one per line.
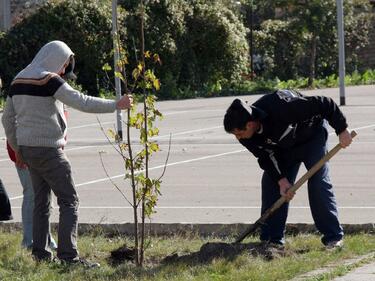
<point x="303" y="253"/>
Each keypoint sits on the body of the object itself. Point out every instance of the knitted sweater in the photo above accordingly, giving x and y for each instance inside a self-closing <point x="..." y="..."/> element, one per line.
<point x="34" y="113"/>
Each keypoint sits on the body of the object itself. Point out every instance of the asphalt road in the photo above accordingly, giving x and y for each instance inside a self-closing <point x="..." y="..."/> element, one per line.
<point x="210" y="178"/>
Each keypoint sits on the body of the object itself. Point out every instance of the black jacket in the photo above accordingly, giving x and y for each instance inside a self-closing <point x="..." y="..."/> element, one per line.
<point x="5" y="209"/>
<point x="291" y="119"/>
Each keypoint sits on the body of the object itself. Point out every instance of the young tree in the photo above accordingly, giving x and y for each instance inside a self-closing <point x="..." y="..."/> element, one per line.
<point x="145" y="190"/>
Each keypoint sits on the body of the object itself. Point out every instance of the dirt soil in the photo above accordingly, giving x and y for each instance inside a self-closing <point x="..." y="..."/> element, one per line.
<point x="122" y="254"/>
<point x="210" y="251"/>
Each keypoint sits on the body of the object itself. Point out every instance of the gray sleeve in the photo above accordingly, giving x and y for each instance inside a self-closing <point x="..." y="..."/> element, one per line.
<point x="67" y="95"/>
<point x="9" y="123"/>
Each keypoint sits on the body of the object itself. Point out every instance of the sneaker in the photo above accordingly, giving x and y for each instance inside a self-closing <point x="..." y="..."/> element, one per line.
<point x="82" y="262"/>
<point x="335" y="244"/>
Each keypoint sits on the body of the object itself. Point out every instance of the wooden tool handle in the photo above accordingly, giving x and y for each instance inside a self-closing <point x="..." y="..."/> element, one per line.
<point x="294" y="188"/>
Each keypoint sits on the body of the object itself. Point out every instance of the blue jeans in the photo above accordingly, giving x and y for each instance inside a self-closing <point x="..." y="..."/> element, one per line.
<point x="27" y="209"/>
<point x="321" y="197"/>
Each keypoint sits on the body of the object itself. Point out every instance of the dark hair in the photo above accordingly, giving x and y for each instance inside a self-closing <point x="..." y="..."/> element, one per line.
<point x="236" y="117"/>
<point x="69" y="74"/>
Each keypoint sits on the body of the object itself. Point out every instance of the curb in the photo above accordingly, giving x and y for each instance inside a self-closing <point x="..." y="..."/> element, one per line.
<point x="356" y="263"/>
<point x="204" y="229"/>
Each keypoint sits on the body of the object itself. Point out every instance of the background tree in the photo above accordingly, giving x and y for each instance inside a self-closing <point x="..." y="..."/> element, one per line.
<point x="202" y="43"/>
<point x="84" y="25"/>
<point x="309" y="30"/>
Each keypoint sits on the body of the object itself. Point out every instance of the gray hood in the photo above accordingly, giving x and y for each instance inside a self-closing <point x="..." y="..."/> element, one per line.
<point x="50" y="58"/>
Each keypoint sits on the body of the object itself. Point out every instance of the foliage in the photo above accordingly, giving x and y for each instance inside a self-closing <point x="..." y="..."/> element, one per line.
<point x="202" y="43"/>
<point x="356" y="78"/>
<point x="261" y="86"/>
<point x="278" y="49"/>
<point x="301" y="40"/>
<point x="84" y="25"/>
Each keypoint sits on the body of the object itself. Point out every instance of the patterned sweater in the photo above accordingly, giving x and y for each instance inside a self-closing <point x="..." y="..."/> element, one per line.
<point x="34" y="112"/>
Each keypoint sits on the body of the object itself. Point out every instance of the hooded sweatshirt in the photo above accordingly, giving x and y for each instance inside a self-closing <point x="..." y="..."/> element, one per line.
<point x="34" y="112"/>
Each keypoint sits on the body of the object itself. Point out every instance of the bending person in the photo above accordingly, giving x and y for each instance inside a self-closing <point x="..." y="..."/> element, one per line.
<point x="283" y="130"/>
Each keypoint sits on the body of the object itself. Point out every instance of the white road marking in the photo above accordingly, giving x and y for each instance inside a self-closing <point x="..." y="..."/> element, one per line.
<point x="90" y="125"/>
<point x="103" y="139"/>
<point x="209" y="207"/>
<point x="183" y="162"/>
<point x="194" y="159"/>
<point x="188" y="132"/>
<point x="164" y="114"/>
<point x="162" y="166"/>
<point x="153" y="168"/>
<point x="166" y="136"/>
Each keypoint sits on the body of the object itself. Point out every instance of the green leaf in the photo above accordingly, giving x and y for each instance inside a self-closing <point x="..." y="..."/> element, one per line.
<point x="154" y="146"/>
<point x="106" y="67"/>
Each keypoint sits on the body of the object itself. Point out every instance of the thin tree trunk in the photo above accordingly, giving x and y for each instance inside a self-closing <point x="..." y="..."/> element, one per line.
<point x="146" y="133"/>
<point x="134" y="190"/>
<point x="133" y="185"/>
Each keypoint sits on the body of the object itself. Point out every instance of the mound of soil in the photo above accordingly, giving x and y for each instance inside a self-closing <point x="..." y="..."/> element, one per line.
<point x="210" y="251"/>
<point x="122" y="254"/>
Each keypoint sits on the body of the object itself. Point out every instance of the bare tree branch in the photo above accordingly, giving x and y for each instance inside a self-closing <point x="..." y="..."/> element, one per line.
<point x="109" y="140"/>
<point x="113" y="183"/>
<point x="166" y="160"/>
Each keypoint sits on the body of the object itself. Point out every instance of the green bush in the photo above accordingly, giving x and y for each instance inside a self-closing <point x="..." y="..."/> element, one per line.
<point x="84" y="25"/>
<point x="202" y="44"/>
<point x="301" y="40"/>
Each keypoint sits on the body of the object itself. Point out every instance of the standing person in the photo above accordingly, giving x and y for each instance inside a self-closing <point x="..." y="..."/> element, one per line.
<point x="283" y="130"/>
<point x="27" y="204"/>
<point x="35" y="127"/>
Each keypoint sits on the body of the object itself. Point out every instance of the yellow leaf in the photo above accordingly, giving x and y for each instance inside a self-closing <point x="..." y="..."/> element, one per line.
<point x="157" y="58"/>
<point x="112" y="133"/>
<point x="123" y="146"/>
<point x="157" y="84"/>
<point x="136" y="73"/>
<point x="147" y="54"/>
<point x="119" y="75"/>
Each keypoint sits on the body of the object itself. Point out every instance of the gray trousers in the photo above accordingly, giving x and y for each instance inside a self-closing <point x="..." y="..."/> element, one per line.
<point x="50" y="170"/>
